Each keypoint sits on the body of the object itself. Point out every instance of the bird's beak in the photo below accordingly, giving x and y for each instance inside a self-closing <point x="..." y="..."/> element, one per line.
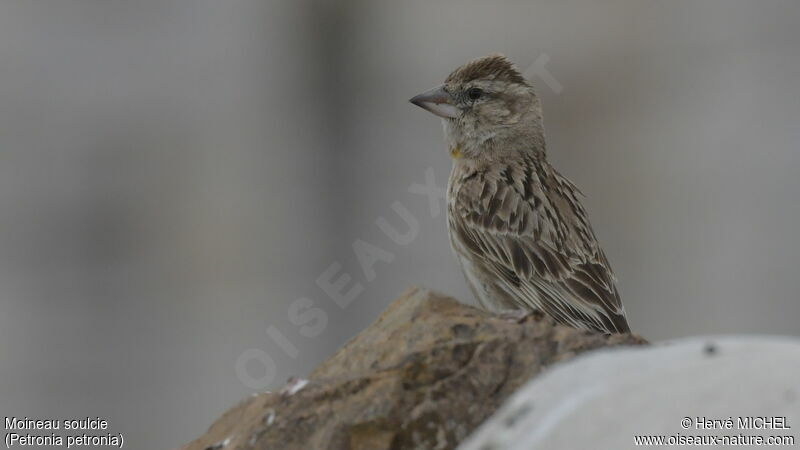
<point x="437" y="101"/>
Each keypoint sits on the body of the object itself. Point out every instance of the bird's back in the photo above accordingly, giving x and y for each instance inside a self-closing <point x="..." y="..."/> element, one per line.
<point x="523" y="240"/>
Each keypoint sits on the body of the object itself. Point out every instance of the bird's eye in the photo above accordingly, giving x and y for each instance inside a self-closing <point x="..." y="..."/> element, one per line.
<point x="474" y="93"/>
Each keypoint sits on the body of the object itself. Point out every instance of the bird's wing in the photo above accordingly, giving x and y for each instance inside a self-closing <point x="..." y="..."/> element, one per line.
<point x="526" y="224"/>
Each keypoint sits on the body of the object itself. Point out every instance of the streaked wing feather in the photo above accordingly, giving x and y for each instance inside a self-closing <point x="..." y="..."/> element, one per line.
<point x="534" y="235"/>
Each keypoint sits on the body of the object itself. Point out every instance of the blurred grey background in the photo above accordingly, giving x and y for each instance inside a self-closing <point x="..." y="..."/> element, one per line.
<point x="175" y="173"/>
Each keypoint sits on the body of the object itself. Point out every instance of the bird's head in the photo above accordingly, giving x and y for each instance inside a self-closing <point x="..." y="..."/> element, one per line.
<point x="488" y="109"/>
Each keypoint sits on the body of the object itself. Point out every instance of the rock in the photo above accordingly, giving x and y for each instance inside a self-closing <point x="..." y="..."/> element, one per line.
<point x="423" y="376"/>
<point x="603" y="399"/>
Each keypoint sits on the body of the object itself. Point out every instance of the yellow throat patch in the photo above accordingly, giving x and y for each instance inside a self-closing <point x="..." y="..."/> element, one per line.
<point x="455" y="152"/>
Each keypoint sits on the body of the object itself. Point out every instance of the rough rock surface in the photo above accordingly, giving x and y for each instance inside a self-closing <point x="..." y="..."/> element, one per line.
<point x="423" y="376"/>
<point x="605" y="399"/>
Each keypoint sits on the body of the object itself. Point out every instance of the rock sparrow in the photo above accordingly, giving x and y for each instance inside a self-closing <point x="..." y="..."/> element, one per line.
<point x="516" y="225"/>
